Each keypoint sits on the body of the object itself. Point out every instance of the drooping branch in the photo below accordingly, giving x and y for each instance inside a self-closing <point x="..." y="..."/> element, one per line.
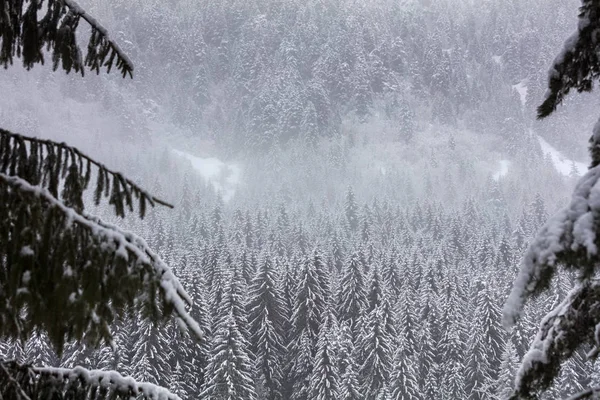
<point x="47" y="163"/>
<point x="26" y="382"/>
<point x="578" y="64"/>
<point x="569" y="239"/>
<point x="565" y="329"/>
<point x="100" y="46"/>
<point x="71" y="274"/>
<point x="591" y="393"/>
<point x="23" y="34"/>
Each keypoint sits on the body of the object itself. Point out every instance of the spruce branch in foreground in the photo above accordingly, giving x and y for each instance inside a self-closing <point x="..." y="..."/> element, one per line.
<point x="71" y="274"/>
<point x="24" y="34"/>
<point x="21" y="381"/>
<point x="63" y="271"/>
<point x="562" y="332"/>
<point x="570" y="239"/>
<point x="46" y="163"/>
<point x="578" y="63"/>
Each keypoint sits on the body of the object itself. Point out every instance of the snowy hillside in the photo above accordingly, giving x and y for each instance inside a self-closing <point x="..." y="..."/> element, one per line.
<point x="223" y="177"/>
<point x="562" y="164"/>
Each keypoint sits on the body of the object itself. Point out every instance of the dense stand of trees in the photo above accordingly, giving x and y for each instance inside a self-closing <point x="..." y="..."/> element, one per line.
<point x="356" y="298"/>
<point x="252" y="75"/>
<point x="367" y="253"/>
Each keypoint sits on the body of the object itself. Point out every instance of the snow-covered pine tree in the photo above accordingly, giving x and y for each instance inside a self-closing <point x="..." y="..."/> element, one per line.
<point x="349" y="387"/>
<point x="152" y="353"/>
<point x="352" y="296"/>
<point x="310" y="303"/>
<point x="407" y="321"/>
<point x="62" y="271"/>
<point x="233" y="302"/>
<point x="376" y="290"/>
<point x="324" y="379"/>
<point x="403" y="380"/>
<point x="376" y="347"/>
<point x="487" y="316"/>
<point x="38" y="352"/>
<point x="485" y="345"/>
<point x="309" y="309"/>
<point x="351" y="210"/>
<point x="229" y="375"/>
<point x="570" y="237"/>
<point x="508" y="369"/>
<point x="266" y="316"/>
<point x="300" y="366"/>
<point x="391" y="276"/>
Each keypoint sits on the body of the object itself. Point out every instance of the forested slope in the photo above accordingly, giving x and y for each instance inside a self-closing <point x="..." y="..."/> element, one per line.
<point x="370" y="241"/>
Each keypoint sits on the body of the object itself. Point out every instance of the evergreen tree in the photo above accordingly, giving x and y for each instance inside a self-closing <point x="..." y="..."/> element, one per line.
<point x="80" y="273"/>
<point x="352" y="300"/>
<point x="485" y="346"/>
<point x="508" y="369"/>
<point x="300" y="367"/>
<point x="266" y="313"/>
<point x="376" y="346"/>
<point x="229" y="374"/>
<point x="349" y="387"/>
<point x="564" y="239"/>
<point x="310" y="306"/>
<point x="324" y="380"/>
<point x="152" y="355"/>
<point x="310" y="303"/>
<point x="404" y="385"/>
<point x="391" y="276"/>
<point x="376" y="290"/>
<point x="351" y="210"/>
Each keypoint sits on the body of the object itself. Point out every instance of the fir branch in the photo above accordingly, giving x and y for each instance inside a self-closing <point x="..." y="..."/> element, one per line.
<point x="45" y="162"/>
<point x="10" y="382"/>
<point x="100" y="43"/>
<point x="22" y="34"/>
<point x="84" y="384"/>
<point x="577" y="66"/>
<point x="564" y="330"/>
<point x="71" y="274"/>
<point x="590" y="393"/>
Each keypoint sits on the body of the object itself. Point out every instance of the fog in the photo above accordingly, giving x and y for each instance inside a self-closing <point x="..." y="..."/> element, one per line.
<point x="386" y="152"/>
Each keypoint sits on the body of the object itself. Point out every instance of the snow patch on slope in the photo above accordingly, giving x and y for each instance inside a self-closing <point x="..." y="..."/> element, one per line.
<point x="223" y="177"/>
<point x="502" y="170"/>
<point x="522" y="89"/>
<point x="562" y="164"/>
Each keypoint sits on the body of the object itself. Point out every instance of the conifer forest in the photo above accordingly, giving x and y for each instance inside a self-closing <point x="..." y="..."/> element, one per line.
<point x="299" y="199"/>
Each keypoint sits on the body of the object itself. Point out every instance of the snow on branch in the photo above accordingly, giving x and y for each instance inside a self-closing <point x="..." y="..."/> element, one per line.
<point x="570" y="238"/>
<point x="24" y="34"/>
<point x="72" y="274"/>
<point x="25" y="382"/>
<point x="565" y="329"/>
<point x="591" y="393"/>
<point x="47" y="163"/>
<point x="101" y="43"/>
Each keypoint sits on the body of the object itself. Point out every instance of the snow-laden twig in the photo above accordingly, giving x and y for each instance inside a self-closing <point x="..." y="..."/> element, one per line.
<point x="570" y="238"/>
<point x="14" y="383"/>
<point x="77" y="9"/>
<point x="16" y="138"/>
<point x="562" y="331"/>
<point x="172" y="289"/>
<point x="586" y="394"/>
<point x="110" y="380"/>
